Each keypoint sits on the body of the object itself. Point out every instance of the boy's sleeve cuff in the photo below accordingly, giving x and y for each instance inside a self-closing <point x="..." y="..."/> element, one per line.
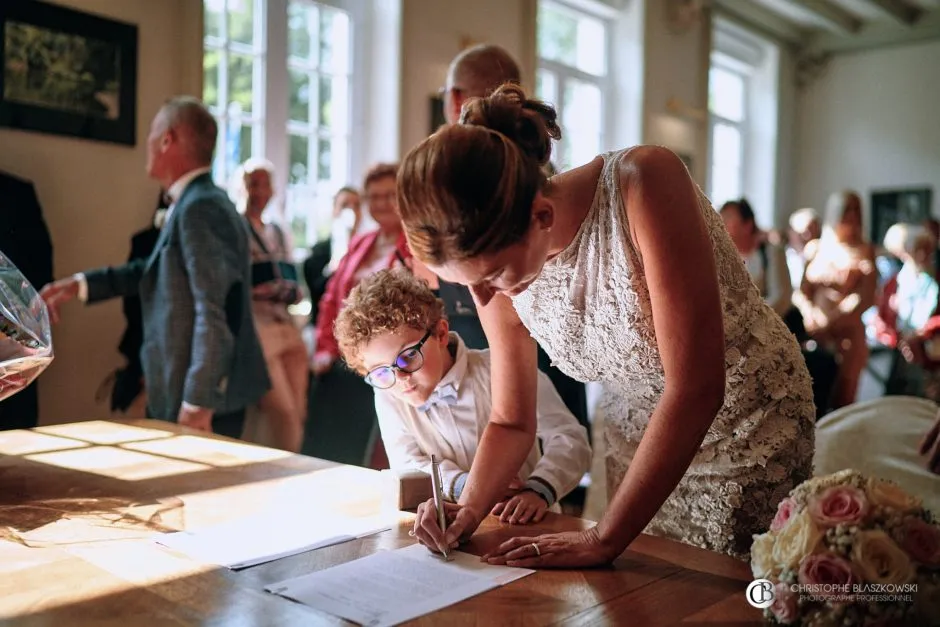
<point x="457" y="486"/>
<point x="541" y="488"/>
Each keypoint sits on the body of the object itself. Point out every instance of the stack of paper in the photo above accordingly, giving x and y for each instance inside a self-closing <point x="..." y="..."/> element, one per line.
<point x="391" y="587"/>
<point x="252" y="541"/>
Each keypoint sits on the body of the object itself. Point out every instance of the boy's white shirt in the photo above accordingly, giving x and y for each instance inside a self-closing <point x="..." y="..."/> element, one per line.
<point x="452" y="432"/>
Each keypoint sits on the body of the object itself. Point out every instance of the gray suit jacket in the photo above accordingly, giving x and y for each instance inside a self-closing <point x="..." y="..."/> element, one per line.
<point x="200" y="344"/>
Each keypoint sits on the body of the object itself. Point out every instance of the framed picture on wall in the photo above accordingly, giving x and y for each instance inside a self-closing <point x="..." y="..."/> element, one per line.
<point x="888" y="207"/>
<point x="67" y="72"/>
<point x="436" y="113"/>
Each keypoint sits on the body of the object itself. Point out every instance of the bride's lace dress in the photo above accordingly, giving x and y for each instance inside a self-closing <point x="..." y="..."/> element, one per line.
<point x="590" y="310"/>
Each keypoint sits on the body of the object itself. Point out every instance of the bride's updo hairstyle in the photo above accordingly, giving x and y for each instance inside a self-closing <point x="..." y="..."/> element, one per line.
<point x="468" y="189"/>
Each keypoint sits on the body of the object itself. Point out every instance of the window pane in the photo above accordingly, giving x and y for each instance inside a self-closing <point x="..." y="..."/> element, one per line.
<point x="240" y="75"/>
<point x="210" y="80"/>
<point x="241" y="19"/>
<point x="212" y="10"/>
<point x="572" y="38"/>
<point x="301" y="21"/>
<point x="299" y="155"/>
<point x="726" y="94"/>
<point x="333" y="97"/>
<point x="299" y="95"/>
<point x="324" y="159"/>
<point x="334" y="41"/>
<point x="727" y="161"/>
<point x="546" y="86"/>
<point x="582" y="118"/>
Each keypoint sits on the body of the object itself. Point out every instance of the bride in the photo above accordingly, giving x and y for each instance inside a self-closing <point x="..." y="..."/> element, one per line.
<point x="624" y="273"/>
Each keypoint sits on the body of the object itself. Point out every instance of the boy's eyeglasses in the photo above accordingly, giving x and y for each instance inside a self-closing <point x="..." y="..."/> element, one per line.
<point x="409" y="360"/>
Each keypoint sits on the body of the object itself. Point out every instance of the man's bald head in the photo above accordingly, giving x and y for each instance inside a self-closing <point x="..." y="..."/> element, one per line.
<point x="476" y="72"/>
<point x="193" y="122"/>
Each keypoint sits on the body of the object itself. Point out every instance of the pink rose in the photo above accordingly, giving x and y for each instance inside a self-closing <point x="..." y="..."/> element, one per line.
<point x="839" y="504"/>
<point x="785" y="509"/>
<point x="826" y="569"/>
<point x="785" y="607"/>
<point x="921" y="541"/>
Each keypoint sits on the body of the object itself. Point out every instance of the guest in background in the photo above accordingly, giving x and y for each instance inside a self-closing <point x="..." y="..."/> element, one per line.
<point x="804" y="228"/>
<point x="838" y="286"/>
<point x="24" y="239"/>
<point x="201" y="357"/>
<point x="345" y="429"/>
<point x="910" y="298"/>
<point x="327" y="253"/>
<point x="433" y="396"/>
<point x="129" y="380"/>
<point x="274" y="287"/>
<point x="765" y="262"/>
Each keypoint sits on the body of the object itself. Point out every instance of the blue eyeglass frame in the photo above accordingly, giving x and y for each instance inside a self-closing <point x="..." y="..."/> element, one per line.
<point x="394" y="366"/>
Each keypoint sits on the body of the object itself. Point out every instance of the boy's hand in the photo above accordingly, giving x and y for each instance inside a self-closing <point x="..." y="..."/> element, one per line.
<point x="525" y="507"/>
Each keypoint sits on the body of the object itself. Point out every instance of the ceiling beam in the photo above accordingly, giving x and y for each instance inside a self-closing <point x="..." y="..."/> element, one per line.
<point x="754" y="16"/>
<point x="835" y="17"/>
<point x="879" y="35"/>
<point x="898" y="10"/>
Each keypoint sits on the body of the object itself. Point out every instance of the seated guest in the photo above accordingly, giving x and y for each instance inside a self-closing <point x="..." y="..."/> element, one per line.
<point x="433" y="395"/>
<point x="345" y="428"/>
<point x="326" y="254"/>
<point x="274" y="287"/>
<point x="909" y="298"/>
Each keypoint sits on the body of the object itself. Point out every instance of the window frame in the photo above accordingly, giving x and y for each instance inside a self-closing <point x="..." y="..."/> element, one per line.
<point x="741" y="70"/>
<point x="271" y="129"/>
<point x="564" y="73"/>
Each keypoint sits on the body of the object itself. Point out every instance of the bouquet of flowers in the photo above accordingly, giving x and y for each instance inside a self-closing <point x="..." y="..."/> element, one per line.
<point x="25" y="335"/>
<point x="847" y="549"/>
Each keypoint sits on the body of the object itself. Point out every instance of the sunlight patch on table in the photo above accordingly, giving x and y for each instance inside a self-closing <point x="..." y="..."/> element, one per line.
<point x="23" y="442"/>
<point x="209" y="451"/>
<point x="103" y="432"/>
<point x="117" y="463"/>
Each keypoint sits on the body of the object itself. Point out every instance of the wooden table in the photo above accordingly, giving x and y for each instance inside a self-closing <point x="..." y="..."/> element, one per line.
<point x="78" y="501"/>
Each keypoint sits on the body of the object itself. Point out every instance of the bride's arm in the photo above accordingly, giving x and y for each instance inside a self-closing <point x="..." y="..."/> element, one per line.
<point x="670" y="233"/>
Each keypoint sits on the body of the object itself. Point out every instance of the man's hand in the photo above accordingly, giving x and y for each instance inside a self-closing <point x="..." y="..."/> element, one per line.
<point x="57" y="294"/>
<point x="197" y="418"/>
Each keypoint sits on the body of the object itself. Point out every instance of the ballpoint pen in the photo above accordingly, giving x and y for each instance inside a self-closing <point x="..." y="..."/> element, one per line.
<point x="436" y="482"/>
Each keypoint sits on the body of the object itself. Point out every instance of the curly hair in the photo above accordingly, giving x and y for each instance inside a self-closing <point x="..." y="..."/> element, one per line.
<point x="384" y="302"/>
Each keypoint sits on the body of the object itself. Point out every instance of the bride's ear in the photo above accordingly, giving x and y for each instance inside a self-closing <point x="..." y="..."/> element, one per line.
<point x="543" y="213"/>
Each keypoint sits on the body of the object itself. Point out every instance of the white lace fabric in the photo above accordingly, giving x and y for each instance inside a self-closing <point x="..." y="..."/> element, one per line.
<point x="590" y="310"/>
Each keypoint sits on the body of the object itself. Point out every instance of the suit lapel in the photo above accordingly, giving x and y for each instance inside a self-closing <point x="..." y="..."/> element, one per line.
<point x="165" y="231"/>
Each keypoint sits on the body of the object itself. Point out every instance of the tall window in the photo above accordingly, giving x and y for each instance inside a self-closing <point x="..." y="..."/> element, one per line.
<point x="573" y="75"/>
<point x="233" y="80"/>
<point x="277" y="76"/>
<point x="727" y="98"/>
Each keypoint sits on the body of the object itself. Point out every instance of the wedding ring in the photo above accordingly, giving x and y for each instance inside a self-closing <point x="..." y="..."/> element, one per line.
<point x="411" y="533"/>
<point x="537" y="551"/>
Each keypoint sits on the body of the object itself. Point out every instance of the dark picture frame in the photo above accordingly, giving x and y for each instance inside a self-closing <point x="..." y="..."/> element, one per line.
<point x="66" y="72"/>
<point x="911" y="205"/>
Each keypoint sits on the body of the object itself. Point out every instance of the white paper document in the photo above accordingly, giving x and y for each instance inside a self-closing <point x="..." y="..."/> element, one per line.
<point x="252" y="541"/>
<point x="391" y="587"/>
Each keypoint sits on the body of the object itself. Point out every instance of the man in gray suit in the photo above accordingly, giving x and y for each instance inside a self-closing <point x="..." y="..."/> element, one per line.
<point x="201" y="358"/>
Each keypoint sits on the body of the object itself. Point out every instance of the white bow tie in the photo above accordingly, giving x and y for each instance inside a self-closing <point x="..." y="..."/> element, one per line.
<point x="443" y="395"/>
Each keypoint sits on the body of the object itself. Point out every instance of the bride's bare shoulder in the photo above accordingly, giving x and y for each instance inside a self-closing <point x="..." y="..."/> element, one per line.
<point x="654" y="162"/>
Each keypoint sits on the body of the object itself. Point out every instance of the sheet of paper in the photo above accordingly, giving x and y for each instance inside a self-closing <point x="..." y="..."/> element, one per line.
<point x="391" y="587"/>
<point x="253" y="541"/>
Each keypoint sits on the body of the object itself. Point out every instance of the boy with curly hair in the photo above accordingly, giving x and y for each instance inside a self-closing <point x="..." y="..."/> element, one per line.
<point x="433" y="396"/>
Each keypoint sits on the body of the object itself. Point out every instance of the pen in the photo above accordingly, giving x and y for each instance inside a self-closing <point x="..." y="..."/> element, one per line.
<point x="436" y="482"/>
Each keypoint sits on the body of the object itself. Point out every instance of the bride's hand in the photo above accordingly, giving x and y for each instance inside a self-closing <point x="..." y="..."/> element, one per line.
<point x="462" y="521"/>
<point x="572" y="549"/>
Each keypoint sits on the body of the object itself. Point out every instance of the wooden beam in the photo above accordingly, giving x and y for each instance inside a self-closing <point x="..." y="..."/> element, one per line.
<point x="835" y="17"/>
<point x="898" y="10"/>
<point x="762" y="20"/>
<point x="879" y="35"/>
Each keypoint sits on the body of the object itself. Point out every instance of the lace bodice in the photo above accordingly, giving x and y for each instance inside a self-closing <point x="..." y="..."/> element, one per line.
<point x="590" y="310"/>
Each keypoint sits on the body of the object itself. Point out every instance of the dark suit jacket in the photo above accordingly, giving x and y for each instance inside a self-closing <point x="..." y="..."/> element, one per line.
<point x="200" y="344"/>
<point x="313" y="274"/>
<point x="24" y="239"/>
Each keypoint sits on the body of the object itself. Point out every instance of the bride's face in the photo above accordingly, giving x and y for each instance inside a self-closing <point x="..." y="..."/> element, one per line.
<point x="509" y="271"/>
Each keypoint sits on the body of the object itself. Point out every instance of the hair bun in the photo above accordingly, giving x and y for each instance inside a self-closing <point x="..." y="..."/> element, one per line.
<point x="530" y="124"/>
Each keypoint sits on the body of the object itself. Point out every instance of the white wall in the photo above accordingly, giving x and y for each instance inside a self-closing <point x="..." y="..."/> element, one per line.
<point x="95" y="195"/>
<point x="433" y="32"/>
<point x="870" y="121"/>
